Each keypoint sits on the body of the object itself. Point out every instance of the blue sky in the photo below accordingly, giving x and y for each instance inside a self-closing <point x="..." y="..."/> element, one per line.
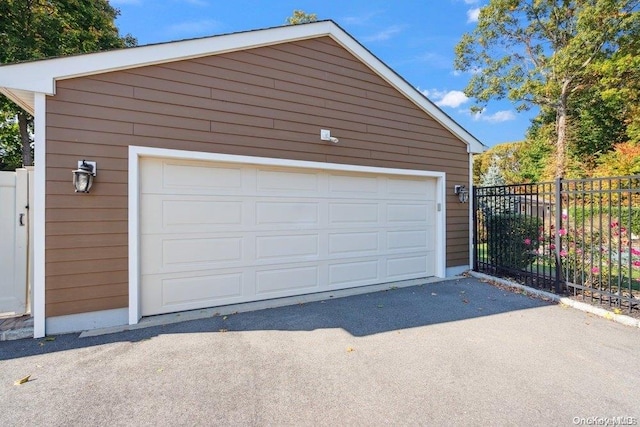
<point x="416" y="38"/>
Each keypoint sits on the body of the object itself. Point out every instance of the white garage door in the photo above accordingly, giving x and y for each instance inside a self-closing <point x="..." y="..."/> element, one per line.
<point x="222" y="233"/>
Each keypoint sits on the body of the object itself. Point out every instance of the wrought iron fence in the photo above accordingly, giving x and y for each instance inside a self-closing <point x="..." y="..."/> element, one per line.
<point x="579" y="237"/>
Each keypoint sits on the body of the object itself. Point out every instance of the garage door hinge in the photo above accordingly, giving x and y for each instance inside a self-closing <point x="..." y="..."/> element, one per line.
<point x="439" y="207"/>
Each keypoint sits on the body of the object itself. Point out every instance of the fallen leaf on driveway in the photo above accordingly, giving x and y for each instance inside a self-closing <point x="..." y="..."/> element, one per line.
<point x="380" y="305"/>
<point x="617" y="311"/>
<point x="466" y="301"/>
<point x="223" y="330"/>
<point x="433" y="294"/>
<point x="22" y="380"/>
<point x="50" y="339"/>
<point x="350" y="349"/>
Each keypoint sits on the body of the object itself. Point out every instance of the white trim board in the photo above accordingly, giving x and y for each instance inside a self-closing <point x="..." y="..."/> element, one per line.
<point x="40" y="185"/>
<point x="86" y="321"/>
<point x="136" y="152"/>
<point x="20" y="81"/>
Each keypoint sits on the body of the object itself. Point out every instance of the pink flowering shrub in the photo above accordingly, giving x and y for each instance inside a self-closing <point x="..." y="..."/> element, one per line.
<point x="602" y="256"/>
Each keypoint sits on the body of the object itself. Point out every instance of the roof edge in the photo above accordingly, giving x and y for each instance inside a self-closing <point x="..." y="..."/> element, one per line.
<point x="20" y="81"/>
<point x="35" y="77"/>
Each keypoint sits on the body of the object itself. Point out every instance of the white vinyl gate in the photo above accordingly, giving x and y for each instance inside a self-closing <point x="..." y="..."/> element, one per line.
<point x="14" y="242"/>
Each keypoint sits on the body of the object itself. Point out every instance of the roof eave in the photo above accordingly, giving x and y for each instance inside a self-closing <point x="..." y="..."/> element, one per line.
<point x="34" y="77"/>
<point x="20" y="81"/>
<point x="24" y="99"/>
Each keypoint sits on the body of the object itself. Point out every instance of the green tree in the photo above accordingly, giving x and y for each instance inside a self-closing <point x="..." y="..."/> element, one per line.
<point x="493" y="176"/>
<point x="35" y="29"/>
<point x="623" y="160"/>
<point x="498" y="160"/>
<point x="517" y="162"/>
<point x="540" y="53"/>
<point x="10" y="144"/>
<point x="618" y="81"/>
<point x="300" y="17"/>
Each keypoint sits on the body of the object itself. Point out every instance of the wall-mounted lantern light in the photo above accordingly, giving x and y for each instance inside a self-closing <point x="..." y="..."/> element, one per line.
<point x="462" y="192"/>
<point x="83" y="176"/>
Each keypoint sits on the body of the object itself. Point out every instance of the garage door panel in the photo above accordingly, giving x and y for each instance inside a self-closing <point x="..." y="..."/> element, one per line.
<point x="407" y="213"/>
<point x="290" y="184"/>
<point x="355" y="273"/>
<point x="354" y="243"/>
<point x="289" y="281"/>
<point x="230" y="234"/>
<point x="193" y="177"/>
<point x="290" y="247"/>
<point x="188" y="213"/>
<point x="169" y="176"/>
<point x="188" y="251"/>
<point x="291" y="212"/>
<point x="353" y="213"/>
<point x="161" y="254"/>
<point x="214" y="286"/>
<point x="178" y="293"/>
<point x="201" y="212"/>
<point x="348" y="185"/>
<point x="409" y="240"/>
<point x="407" y="267"/>
<point x="410" y="189"/>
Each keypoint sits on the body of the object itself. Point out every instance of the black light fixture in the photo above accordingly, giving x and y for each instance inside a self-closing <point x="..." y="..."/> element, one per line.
<point x="462" y="192"/>
<point x="83" y="176"/>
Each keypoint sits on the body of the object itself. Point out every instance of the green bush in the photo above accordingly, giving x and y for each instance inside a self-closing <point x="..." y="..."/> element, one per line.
<point x="512" y="240"/>
<point x="621" y="215"/>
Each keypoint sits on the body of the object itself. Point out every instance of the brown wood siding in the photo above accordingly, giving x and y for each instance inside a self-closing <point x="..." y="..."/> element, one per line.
<point x="268" y="102"/>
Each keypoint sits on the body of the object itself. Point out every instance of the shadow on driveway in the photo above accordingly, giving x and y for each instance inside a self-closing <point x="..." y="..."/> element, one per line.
<point x="360" y="315"/>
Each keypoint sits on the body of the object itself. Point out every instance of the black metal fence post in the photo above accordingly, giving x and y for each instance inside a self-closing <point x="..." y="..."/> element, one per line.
<point x="474" y="209"/>
<point x="558" y="239"/>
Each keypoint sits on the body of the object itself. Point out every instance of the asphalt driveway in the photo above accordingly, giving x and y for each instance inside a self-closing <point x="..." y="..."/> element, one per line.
<point x="457" y="352"/>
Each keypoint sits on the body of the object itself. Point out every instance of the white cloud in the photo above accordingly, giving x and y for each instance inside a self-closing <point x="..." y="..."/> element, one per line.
<point x="433" y="93"/>
<point x="385" y="34"/>
<point x="435" y="60"/>
<point x="497" y="117"/>
<point x="443" y="98"/>
<point x="194" y="28"/>
<point x="359" y="20"/>
<point x="472" y="15"/>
